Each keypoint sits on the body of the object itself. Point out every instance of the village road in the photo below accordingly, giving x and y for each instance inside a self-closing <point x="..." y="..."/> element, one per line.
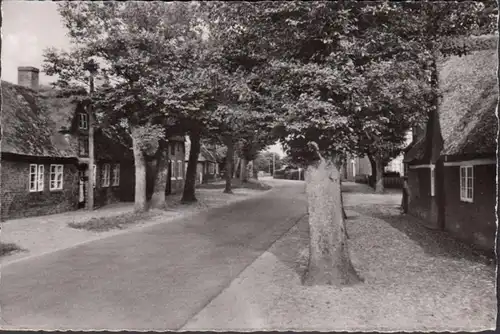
<point x="155" y="278"/>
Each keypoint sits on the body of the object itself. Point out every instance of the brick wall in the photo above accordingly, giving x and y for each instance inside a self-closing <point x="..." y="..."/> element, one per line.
<point x="421" y="204"/>
<point x="17" y="201"/>
<point x="474" y="222"/>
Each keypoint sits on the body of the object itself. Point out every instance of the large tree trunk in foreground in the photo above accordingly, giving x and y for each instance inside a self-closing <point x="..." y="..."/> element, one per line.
<point x="188" y="194"/>
<point x="243" y="170"/>
<point x="158" y="198"/>
<point x="229" y="164"/>
<point x="329" y="262"/>
<point x="379" y="177"/>
<point x="140" y="201"/>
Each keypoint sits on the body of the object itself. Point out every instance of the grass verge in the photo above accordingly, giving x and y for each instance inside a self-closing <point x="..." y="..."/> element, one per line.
<point x="103" y="224"/>
<point x="9" y="248"/>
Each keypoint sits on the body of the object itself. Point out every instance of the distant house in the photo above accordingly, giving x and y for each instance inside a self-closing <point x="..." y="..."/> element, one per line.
<point x="356" y="168"/>
<point x="207" y="167"/>
<point x="451" y="163"/>
<point x="44" y="152"/>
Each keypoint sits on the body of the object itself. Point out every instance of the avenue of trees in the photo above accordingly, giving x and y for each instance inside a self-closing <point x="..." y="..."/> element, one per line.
<point x="327" y="79"/>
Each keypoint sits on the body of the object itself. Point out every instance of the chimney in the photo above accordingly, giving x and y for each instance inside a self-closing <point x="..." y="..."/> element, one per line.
<point x="27" y="76"/>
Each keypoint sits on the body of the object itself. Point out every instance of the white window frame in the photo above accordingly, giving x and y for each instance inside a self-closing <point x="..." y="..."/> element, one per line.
<point x="173" y="170"/>
<point x="211" y="168"/>
<point x="179" y="170"/>
<point x="38" y="183"/>
<point x="433" y="180"/>
<point x="55" y="172"/>
<point x="468" y="174"/>
<point x="116" y="175"/>
<point x="106" y="175"/>
<point x="83" y="121"/>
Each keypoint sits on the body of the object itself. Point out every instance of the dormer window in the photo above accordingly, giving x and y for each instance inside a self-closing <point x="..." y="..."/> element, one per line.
<point x="83" y="121"/>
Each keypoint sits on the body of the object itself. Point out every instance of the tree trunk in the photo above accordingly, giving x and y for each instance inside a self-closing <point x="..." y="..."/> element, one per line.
<point x="237" y="168"/>
<point x="379" y="177"/>
<point x="372" y="178"/>
<point x="229" y="164"/>
<point x="140" y="201"/>
<point x="160" y="185"/>
<point x="243" y="170"/>
<point x="188" y="194"/>
<point x="329" y="261"/>
<point x="255" y="172"/>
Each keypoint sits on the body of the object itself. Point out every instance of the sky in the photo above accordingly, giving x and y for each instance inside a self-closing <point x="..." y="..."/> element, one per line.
<point x="28" y="28"/>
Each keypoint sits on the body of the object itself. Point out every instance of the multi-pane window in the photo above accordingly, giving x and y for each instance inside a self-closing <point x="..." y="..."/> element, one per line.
<point x="466" y="183"/>
<point x="36" y="177"/>
<point x="179" y="169"/>
<point x="106" y="175"/>
<point x="211" y="168"/>
<point x="433" y="181"/>
<point x="83" y="121"/>
<point x="173" y="173"/>
<point x="83" y="145"/>
<point x="56" y="177"/>
<point x="116" y="174"/>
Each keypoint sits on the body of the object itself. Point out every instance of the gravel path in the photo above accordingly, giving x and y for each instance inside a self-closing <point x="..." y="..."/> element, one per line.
<point x="413" y="282"/>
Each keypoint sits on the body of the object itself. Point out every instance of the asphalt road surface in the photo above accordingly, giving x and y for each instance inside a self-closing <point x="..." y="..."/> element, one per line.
<point x="155" y="278"/>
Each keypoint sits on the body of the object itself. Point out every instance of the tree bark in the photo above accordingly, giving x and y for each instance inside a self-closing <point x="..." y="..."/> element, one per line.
<point x="255" y="172"/>
<point x="372" y="178"/>
<point x="228" y="141"/>
<point x="160" y="185"/>
<point x="188" y="194"/>
<point x="329" y="261"/>
<point x="237" y="167"/>
<point x="243" y="170"/>
<point x="379" y="177"/>
<point x="140" y="201"/>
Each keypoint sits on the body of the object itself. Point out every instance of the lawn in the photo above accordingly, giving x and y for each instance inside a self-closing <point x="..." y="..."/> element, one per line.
<point x="122" y="221"/>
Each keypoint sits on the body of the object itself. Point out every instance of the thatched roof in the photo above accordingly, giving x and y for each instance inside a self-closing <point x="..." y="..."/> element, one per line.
<point x="31" y="121"/>
<point x="469" y="94"/>
<point x="469" y="90"/>
<point x="33" y="124"/>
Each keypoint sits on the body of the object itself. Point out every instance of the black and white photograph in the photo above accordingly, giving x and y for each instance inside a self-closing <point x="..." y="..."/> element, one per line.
<point x="249" y="166"/>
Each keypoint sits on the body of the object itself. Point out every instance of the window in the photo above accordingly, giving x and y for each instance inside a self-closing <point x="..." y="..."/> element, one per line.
<point x="172" y="148"/>
<point x="433" y="181"/>
<point x="172" y="170"/>
<point x="36" y="178"/>
<point x="56" y="177"/>
<point x="83" y="144"/>
<point x="116" y="174"/>
<point x="83" y="121"/>
<point x="179" y="169"/>
<point x="466" y="183"/>
<point x="211" y="168"/>
<point x="106" y="175"/>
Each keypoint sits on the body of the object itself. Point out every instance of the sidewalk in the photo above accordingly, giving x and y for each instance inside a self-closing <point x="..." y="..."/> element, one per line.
<point x="44" y="234"/>
<point x="408" y="285"/>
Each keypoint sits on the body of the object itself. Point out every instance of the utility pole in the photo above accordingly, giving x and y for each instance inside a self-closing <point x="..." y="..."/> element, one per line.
<point x="91" y="66"/>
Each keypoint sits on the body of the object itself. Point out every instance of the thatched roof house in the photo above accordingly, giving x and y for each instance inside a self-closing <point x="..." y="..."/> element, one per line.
<point x="452" y="165"/>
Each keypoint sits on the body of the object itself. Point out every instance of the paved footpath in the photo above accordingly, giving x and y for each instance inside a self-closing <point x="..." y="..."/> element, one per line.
<point x="155" y="278"/>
